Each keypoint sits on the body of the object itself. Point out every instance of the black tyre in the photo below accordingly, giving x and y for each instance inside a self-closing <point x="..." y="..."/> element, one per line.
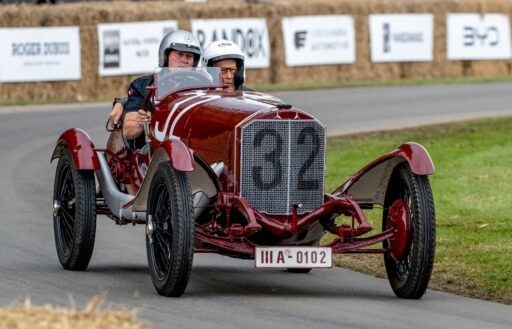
<point x="74" y="215"/>
<point x="410" y="258"/>
<point x="170" y="228"/>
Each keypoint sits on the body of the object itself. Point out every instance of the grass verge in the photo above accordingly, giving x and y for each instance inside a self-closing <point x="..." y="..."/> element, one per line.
<point x="472" y="193"/>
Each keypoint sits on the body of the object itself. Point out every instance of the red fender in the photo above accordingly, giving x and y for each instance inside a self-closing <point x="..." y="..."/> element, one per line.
<point x="369" y="183"/>
<point x="177" y="152"/>
<point x="81" y="147"/>
<point x="173" y="150"/>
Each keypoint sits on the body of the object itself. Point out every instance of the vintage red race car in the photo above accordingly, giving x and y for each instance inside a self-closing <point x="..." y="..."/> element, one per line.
<point x="240" y="174"/>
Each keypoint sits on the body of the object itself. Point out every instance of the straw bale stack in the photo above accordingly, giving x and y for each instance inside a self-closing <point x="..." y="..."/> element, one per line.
<point x="28" y="316"/>
<point x="87" y="15"/>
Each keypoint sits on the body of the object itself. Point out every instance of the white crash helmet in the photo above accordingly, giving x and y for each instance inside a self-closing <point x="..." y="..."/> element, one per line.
<point x="181" y="41"/>
<point x="225" y="49"/>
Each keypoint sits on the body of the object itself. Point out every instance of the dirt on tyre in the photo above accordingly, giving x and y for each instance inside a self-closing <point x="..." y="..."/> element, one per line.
<point x="74" y="215"/>
<point x="170" y="228"/>
<point x="409" y="209"/>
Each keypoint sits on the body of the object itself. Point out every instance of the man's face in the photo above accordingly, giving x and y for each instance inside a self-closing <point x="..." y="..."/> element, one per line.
<point x="228" y="69"/>
<point x="180" y="59"/>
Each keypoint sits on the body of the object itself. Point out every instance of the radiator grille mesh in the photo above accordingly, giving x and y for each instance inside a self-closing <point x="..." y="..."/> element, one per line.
<point x="282" y="164"/>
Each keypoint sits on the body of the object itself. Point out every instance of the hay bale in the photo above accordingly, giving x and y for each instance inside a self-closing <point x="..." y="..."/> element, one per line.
<point x="48" y="317"/>
<point x="88" y="15"/>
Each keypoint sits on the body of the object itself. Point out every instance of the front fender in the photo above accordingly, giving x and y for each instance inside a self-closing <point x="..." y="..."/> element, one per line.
<point x="173" y="150"/>
<point x="81" y="147"/>
<point x="370" y="183"/>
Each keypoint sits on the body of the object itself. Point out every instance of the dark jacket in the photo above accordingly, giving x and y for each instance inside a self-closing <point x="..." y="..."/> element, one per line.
<point x="136" y="92"/>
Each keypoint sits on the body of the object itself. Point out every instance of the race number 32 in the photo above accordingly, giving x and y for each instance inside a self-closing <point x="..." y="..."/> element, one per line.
<point x="269" y="175"/>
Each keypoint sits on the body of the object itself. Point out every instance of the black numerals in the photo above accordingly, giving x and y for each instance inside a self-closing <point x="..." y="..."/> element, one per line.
<point x="272" y="157"/>
<point x="272" y="143"/>
<point x="302" y="183"/>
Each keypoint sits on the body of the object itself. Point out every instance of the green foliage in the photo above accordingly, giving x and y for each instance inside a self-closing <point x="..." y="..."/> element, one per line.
<point x="472" y="189"/>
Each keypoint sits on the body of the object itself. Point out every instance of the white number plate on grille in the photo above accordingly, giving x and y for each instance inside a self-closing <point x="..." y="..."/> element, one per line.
<point x="293" y="257"/>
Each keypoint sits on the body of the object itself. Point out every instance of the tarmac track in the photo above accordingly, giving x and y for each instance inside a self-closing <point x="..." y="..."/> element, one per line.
<point x="223" y="292"/>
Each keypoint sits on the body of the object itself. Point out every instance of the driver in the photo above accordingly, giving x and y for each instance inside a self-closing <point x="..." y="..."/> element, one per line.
<point x="227" y="56"/>
<point x="178" y="49"/>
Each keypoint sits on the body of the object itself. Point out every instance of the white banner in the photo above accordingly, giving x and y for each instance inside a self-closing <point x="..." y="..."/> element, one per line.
<point x="131" y="48"/>
<point x="401" y="37"/>
<point x="39" y="54"/>
<point x="250" y="34"/>
<point x="317" y="40"/>
<point x="472" y="36"/>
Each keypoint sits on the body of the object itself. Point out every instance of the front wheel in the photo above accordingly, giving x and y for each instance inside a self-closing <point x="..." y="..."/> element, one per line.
<point x="170" y="227"/>
<point x="74" y="213"/>
<point x="409" y="210"/>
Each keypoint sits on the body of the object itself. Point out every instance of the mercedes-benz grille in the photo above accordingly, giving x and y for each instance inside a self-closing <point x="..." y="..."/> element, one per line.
<point x="282" y="165"/>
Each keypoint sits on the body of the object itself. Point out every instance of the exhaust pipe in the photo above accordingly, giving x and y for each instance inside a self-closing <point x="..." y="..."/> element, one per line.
<point x="114" y="198"/>
<point x="201" y="201"/>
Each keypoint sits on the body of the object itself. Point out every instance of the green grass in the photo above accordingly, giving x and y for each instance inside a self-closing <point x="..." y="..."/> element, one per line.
<point x="472" y="189"/>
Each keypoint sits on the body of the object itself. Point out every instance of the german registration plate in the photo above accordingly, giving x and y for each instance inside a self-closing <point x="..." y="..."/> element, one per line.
<point x="293" y="257"/>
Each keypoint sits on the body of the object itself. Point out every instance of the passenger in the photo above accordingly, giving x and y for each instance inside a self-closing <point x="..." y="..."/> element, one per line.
<point x="177" y="49"/>
<point x="229" y="58"/>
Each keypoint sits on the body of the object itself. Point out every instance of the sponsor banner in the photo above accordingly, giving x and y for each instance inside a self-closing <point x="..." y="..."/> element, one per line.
<point x="317" y="40"/>
<point x="250" y="34"/>
<point x="473" y="36"/>
<point x="39" y="54"/>
<point x="131" y="48"/>
<point x="401" y="37"/>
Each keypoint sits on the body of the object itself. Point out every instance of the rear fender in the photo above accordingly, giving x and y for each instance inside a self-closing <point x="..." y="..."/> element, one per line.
<point x="81" y="147"/>
<point x="370" y="183"/>
<point x="201" y="177"/>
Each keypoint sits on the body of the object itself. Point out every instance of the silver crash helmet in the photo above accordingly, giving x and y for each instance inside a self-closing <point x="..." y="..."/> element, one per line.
<point x="178" y="40"/>
<point x="225" y="49"/>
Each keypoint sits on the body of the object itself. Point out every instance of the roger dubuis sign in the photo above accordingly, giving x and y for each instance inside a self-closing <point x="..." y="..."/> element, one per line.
<point x="40" y="54"/>
<point x="401" y="37"/>
<point x="474" y="37"/>
<point x="317" y="40"/>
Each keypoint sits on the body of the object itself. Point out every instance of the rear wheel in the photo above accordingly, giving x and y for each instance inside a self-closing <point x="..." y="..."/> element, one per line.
<point x="169" y="238"/>
<point x="409" y="209"/>
<point x="74" y="214"/>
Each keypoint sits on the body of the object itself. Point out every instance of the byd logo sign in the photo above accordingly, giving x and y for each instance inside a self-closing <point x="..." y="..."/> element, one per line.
<point x="480" y="37"/>
<point x="486" y="36"/>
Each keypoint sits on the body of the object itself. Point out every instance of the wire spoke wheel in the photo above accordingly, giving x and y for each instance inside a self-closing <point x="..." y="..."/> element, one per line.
<point x="74" y="213"/>
<point x="169" y="239"/>
<point x="409" y="210"/>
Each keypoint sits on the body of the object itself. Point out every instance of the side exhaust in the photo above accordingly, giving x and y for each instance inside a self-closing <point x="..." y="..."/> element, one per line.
<point x="201" y="201"/>
<point x="114" y="198"/>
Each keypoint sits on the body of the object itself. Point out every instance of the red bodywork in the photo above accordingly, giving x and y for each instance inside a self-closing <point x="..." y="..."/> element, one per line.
<point x="197" y="128"/>
<point x="81" y="147"/>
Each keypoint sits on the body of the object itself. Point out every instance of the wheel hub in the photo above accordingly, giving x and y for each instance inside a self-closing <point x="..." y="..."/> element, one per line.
<point x="150" y="228"/>
<point x="56" y="208"/>
<point x="399" y="219"/>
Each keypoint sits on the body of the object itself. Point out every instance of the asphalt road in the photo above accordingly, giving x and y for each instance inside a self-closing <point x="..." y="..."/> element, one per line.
<point x="223" y="292"/>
